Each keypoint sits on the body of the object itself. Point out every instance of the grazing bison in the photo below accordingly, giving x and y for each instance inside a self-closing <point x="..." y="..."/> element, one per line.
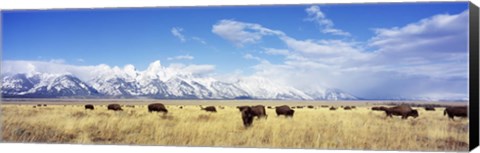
<point x="89" y="106"/>
<point x="157" y="107"/>
<point x="210" y="109"/>
<point x="299" y="107"/>
<point x="259" y="111"/>
<point x="247" y="116"/>
<point x="402" y="110"/>
<point x="347" y="108"/>
<point x="429" y="108"/>
<point x="460" y="111"/>
<point x="333" y="108"/>
<point x="241" y="108"/>
<point x="310" y="106"/>
<point x="284" y="110"/>
<point x="45" y="105"/>
<point x="39" y="105"/>
<point x="114" y="107"/>
<point x="381" y="108"/>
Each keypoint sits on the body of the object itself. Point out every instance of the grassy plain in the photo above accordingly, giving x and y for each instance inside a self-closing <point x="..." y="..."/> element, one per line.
<point x="318" y="128"/>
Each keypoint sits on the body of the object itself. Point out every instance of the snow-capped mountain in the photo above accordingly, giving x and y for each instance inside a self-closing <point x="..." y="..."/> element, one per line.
<point x="155" y="82"/>
<point x="45" y="85"/>
<point x="330" y="94"/>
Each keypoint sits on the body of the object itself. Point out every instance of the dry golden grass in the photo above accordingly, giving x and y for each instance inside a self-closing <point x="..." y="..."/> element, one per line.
<point x="320" y="128"/>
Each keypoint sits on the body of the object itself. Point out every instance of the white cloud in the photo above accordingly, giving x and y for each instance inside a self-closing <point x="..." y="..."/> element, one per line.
<point x="87" y="73"/>
<point x="57" y="61"/>
<point x="250" y="56"/>
<point x="241" y="33"/>
<point x="317" y="16"/>
<point x="273" y="51"/>
<point x="418" y="59"/>
<point x="200" y="40"/>
<point x="177" y="32"/>
<point x="181" y="57"/>
<point x="200" y="69"/>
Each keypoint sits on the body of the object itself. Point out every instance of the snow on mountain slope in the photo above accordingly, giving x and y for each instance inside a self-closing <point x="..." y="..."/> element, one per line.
<point x="155" y="82"/>
<point x="45" y="85"/>
<point x="261" y="88"/>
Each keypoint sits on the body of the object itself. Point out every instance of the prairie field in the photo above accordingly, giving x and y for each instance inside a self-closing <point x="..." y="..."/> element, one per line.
<point x="318" y="128"/>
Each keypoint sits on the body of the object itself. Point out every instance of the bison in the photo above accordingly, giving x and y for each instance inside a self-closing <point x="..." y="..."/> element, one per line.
<point x="259" y="111"/>
<point x="157" y="107"/>
<point x="460" y="111"/>
<point x="45" y="105"/>
<point x="353" y="107"/>
<point x="429" y="108"/>
<point x="381" y="108"/>
<point x="210" y="109"/>
<point x="324" y="106"/>
<point x="284" y="110"/>
<point x="269" y="107"/>
<point x="402" y="110"/>
<point x="347" y="108"/>
<point x="114" y="107"/>
<point x="39" y="105"/>
<point x="310" y="106"/>
<point x="332" y="108"/>
<point x="247" y="116"/>
<point x="89" y="106"/>
<point x="241" y="108"/>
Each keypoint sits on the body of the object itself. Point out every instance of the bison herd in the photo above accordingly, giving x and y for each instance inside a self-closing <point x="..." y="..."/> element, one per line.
<point x="248" y="113"/>
<point x="405" y="111"/>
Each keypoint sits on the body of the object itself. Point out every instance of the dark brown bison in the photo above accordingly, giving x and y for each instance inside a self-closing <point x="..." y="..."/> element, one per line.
<point x="347" y="108"/>
<point x="247" y="116"/>
<point x="324" y="106"/>
<point x="299" y="107"/>
<point x="403" y="110"/>
<point x="89" y="106"/>
<point x="333" y="108"/>
<point x="310" y="106"/>
<point x="157" y="107"/>
<point x="241" y="108"/>
<point x="259" y="111"/>
<point x="114" y="107"/>
<point x="429" y="108"/>
<point x="39" y="105"/>
<point x="210" y="109"/>
<point x="181" y="107"/>
<point x="460" y="111"/>
<point x="353" y="107"/>
<point x="34" y="106"/>
<point x="381" y="108"/>
<point x="45" y="105"/>
<point x="269" y="107"/>
<point x="284" y="110"/>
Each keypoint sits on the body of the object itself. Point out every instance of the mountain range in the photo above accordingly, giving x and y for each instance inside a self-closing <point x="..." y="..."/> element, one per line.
<point x="155" y="82"/>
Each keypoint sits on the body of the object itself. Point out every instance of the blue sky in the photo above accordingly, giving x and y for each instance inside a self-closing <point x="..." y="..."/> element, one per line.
<point x="269" y="38"/>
